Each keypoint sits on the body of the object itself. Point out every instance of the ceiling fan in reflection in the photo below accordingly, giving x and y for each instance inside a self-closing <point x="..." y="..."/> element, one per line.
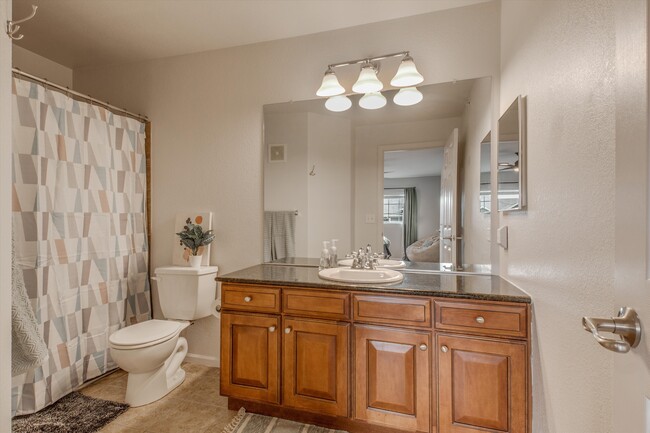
<point x="514" y="166"/>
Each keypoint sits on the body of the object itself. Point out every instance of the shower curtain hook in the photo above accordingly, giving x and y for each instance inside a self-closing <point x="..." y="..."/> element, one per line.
<point x="12" y="27"/>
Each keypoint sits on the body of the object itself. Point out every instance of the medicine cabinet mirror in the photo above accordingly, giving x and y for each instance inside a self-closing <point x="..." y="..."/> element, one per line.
<point x="511" y="166"/>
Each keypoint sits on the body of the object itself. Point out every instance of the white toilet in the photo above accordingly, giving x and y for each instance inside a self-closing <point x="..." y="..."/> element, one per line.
<point x="152" y="351"/>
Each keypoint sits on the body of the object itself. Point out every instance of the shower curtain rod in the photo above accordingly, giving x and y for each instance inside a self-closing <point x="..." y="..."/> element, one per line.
<point x="81" y="95"/>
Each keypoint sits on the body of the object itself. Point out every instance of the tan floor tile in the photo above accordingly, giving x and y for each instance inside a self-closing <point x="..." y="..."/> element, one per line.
<point x="105" y="392"/>
<point x="225" y="416"/>
<point x="195" y="406"/>
<point x="117" y="428"/>
<point x="202" y="388"/>
<point x="185" y="416"/>
<point x="119" y="378"/>
<point x="146" y="416"/>
<point x="192" y="368"/>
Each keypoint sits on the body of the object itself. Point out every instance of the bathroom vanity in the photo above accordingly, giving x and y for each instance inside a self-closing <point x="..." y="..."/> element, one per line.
<point x="447" y="353"/>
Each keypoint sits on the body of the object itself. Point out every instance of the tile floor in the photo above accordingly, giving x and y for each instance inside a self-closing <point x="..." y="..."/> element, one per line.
<point x="193" y="407"/>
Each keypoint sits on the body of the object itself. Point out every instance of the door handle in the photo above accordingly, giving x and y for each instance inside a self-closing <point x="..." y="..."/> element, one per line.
<point x="626" y="325"/>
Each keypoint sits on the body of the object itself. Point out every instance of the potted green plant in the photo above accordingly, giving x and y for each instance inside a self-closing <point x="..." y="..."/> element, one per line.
<point x="193" y="238"/>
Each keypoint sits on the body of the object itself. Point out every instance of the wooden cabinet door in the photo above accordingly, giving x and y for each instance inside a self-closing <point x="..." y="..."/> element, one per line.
<point x="482" y="385"/>
<point x="392" y="377"/>
<point x="315" y="366"/>
<point x="250" y="352"/>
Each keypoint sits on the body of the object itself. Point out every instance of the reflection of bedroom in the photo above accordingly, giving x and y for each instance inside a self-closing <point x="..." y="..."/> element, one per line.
<point x="419" y="169"/>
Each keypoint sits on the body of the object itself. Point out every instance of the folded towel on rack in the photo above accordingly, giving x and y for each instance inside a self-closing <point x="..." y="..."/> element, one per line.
<point x="28" y="349"/>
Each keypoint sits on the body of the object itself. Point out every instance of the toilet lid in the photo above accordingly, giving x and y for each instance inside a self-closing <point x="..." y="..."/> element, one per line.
<point x="145" y="333"/>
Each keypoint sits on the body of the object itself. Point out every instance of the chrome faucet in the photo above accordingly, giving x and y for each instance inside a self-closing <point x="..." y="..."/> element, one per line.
<point x="364" y="259"/>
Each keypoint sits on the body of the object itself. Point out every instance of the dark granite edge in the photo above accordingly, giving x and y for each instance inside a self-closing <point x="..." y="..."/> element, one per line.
<point x="384" y="288"/>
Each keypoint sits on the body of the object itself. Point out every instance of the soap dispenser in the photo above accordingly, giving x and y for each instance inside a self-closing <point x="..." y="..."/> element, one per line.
<point x="324" y="256"/>
<point x="334" y="260"/>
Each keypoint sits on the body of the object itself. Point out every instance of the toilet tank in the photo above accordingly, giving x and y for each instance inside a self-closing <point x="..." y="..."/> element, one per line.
<point x="186" y="293"/>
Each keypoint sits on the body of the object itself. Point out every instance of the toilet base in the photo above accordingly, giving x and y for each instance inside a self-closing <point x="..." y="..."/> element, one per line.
<point x="145" y="388"/>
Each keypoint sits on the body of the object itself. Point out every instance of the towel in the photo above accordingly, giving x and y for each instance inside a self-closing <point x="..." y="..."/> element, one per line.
<point x="28" y="349"/>
<point x="279" y="235"/>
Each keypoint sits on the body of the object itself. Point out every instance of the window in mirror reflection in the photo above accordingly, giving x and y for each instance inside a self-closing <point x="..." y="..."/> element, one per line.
<point x="393" y="206"/>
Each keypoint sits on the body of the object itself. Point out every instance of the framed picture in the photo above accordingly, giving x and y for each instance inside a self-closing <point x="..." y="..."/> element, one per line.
<point x="277" y="153"/>
<point x="182" y="254"/>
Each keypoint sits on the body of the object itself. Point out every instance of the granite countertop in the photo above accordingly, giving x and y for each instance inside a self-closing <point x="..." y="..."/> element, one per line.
<point x="442" y="284"/>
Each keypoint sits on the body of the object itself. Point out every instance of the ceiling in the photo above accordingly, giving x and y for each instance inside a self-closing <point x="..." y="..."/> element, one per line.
<point x="79" y="33"/>
<point x="413" y="163"/>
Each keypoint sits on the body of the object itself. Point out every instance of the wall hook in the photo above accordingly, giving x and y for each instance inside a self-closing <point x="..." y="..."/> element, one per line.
<point x="12" y="27"/>
<point x="312" y="172"/>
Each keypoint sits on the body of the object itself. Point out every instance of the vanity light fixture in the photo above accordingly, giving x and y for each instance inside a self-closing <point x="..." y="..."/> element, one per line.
<point x="407" y="74"/>
<point x="330" y="85"/>
<point x="372" y="101"/>
<point x="370" y="86"/>
<point x="407" y="96"/>
<point x="338" y="103"/>
<point x="368" y="81"/>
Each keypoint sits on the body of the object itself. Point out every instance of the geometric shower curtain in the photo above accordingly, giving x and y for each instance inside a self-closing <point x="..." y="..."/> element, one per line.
<point x="79" y="200"/>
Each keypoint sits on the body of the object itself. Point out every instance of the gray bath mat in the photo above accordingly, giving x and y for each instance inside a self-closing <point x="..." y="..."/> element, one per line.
<point x="74" y="413"/>
<point x="253" y="423"/>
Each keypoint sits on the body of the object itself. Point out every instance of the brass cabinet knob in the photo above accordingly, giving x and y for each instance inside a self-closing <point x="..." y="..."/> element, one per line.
<point x="271" y="328"/>
<point x="480" y="319"/>
<point x="287" y="330"/>
<point x="423" y="347"/>
<point x="444" y="349"/>
<point x="248" y="299"/>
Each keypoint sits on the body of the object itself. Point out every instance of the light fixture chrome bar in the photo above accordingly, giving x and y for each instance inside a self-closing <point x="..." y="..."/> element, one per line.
<point x="90" y="99"/>
<point x="368" y="59"/>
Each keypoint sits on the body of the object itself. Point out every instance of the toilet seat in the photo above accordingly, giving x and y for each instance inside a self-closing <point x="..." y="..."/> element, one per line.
<point x="145" y="334"/>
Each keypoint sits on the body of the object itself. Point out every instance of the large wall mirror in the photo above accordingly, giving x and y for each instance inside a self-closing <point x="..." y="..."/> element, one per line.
<point x="406" y="180"/>
<point x="511" y="178"/>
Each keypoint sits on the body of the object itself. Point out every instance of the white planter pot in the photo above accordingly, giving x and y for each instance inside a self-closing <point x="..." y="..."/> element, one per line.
<point x="195" y="261"/>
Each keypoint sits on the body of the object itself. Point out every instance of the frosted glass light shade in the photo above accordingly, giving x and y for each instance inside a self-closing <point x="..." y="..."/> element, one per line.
<point x="338" y="103"/>
<point x="407" y="96"/>
<point x="372" y="101"/>
<point x="330" y="85"/>
<point x="367" y="81"/>
<point x="407" y="74"/>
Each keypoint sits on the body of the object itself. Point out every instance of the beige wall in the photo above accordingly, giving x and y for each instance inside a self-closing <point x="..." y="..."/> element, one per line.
<point x="206" y="110"/>
<point x="5" y="221"/>
<point x="42" y="67"/>
<point x="561" y="55"/>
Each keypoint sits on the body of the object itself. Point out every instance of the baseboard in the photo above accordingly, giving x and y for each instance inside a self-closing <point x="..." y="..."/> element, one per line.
<point x="210" y="361"/>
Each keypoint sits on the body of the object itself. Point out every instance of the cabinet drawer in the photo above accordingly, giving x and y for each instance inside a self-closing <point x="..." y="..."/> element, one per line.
<point x="316" y="304"/>
<point x="406" y="311"/>
<point x="482" y="318"/>
<point x="250" y="298"/>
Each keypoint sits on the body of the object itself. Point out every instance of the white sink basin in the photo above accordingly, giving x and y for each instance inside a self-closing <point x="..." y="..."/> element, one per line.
<point x="347" y="275"/>
<point x="383" y="263"/>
